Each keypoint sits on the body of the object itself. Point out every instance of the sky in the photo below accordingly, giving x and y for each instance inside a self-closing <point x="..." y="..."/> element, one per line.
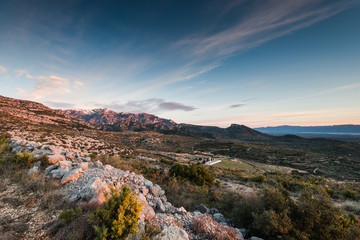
<point x="253" y="62"/>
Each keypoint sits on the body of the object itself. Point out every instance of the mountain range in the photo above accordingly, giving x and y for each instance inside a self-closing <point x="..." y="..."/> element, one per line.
<point x="108" y="120"/>
<point x="348" y="129"/>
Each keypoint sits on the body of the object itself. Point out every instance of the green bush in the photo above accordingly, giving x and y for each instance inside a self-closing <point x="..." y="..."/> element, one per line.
<point x="258" y="178"/>
<point x="118" y="217"/>
<point x="4" y="145"/>
<point x="349" y="194"/>
<point x="195" y="173"/>
<point x="272" y="214"/>
<point x="70" y="215"/>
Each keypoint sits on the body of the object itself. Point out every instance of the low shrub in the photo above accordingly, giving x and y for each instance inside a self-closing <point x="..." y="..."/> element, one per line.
<point x="118" y="217"/>
<point x="198" y="174"/>
<point x="70" y="215"/>
<point x="24" y="159"/>
<point x="272" y="214"/>
<point x="150" y="232"/>
<point x="258" y="178"/>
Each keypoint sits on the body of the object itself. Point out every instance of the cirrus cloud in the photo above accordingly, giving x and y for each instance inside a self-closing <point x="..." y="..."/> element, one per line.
<point x="152" y="105"/>
<point x="47" y="86"/>
<point x="2" y="69"/>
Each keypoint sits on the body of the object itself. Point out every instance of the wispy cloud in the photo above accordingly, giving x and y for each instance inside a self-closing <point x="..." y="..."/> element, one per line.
<point x="78" y="84"/>
<point x="2" y="69"/>
<point x="259" y="84"/>
<point x="20" y="72"/>
<point x="153" y="105"/>
<point x="237" y="105"/>
<point x="48" y="86"/>
<point x="268" y="20"/>
<point x="175" y="106"/>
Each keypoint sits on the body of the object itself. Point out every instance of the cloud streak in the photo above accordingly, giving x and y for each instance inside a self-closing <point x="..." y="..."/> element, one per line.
<point x="2" y="69"/>
<point x="48" y="86"/>
<point x="267" y="21"/>
<point x="152" y="105"/>
<point x="237" y="105"/>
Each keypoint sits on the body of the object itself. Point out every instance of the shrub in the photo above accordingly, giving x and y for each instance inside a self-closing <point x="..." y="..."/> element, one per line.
<point x="349" y="194"/>
<point x="4" y="145"/>
<point x="272" y="214"/>
<point x="150" y="232"/>
<point x="196" y="173"/>
<point x="24" y="159"/>
<point x="258" y="178"/>
<point x="70" y="215"/>
<point x="118" y="217"/>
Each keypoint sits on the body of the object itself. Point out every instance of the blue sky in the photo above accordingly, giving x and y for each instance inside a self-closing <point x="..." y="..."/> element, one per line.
<point x="258" y="63"/>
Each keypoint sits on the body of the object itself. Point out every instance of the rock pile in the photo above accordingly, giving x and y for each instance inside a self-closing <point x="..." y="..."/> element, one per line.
<point x="88" y="181"/>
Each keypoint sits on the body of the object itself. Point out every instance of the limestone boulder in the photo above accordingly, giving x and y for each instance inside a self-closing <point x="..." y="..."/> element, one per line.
<point x="59" y="173"/>
<point x="88" y="191"/>
<point x="71" y="176"/>
<point x="50" y="168"/>
<point x="55" y="158"/>
<point x="65" y="164"/>
<point x="172" y="232"/>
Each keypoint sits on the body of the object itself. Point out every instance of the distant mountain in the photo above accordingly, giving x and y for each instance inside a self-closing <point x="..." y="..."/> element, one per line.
<point x="334" y="129"/>
<point x="110" y="120"/>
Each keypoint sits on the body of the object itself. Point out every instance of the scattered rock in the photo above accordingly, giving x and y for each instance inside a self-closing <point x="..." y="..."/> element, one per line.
<point x="84" y="165"/>
<point x="59" y="173"/>
<point x="219" y="218"/>
<point x="98" y="163"/>
<point x="65" y="164"/>
<point x="71" y="176"/>
<point x="50" y="168"/>
<point x="53" y="159"/>
<point x="173" y="232"/>
<point x="256" y="238"/>
<point x="202" y="208"/>
<point x="212" y="211"/>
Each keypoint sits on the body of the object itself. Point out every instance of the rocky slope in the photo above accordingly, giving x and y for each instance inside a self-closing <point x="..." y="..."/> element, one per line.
<point x="36" y="113"/>
<point x="87" y="181"/>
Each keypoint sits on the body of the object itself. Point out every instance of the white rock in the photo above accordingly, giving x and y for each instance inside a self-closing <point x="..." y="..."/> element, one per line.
<point x="84" y="165"/>
<point x="53" y="159"/>
<point x="59" y="173"/>
<point x="173" y="233"/>
<point x="65" y="164"/>
<point x="50" y="168"/>
<point x="88" y="191"/>
<point x="71" y="176"/>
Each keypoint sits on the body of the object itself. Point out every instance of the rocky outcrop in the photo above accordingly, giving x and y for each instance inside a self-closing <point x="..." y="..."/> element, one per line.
<point x="89" y="181"/>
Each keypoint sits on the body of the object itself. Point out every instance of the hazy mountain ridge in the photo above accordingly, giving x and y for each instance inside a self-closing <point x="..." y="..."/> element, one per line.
<point x="332" y="129"/>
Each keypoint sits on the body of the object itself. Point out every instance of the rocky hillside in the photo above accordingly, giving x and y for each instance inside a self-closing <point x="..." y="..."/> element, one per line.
<point x="13" y="110"/>
<point x="86" y="181"/>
